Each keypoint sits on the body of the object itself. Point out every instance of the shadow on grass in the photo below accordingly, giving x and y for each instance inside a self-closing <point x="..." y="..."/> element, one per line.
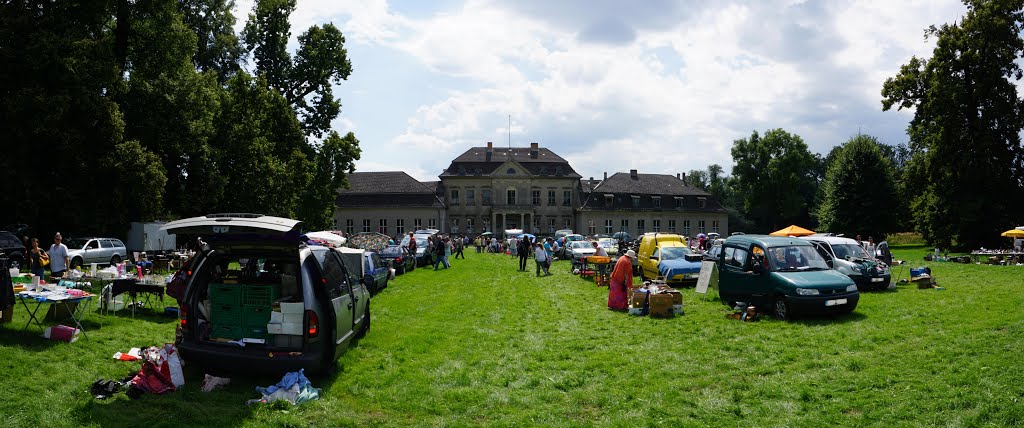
<point x="29" y="340"/>
<point x="823" y="320"/>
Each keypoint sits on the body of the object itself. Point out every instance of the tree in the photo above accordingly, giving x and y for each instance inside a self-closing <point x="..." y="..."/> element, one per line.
<point x="859" y="191"/>
<point x="334" y="158"/>
<point x="965" y="171"/>
<point x="305" y="82"/>
<point x="775" y="177"/>
<point x="217" y="46"/>
<point x="697" y="178"/>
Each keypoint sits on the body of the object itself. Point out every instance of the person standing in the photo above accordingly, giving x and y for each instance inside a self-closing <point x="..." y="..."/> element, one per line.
<point x="524" y="252"/>
<point x="620" y="282"/>
<point x="541" y="257"/>
<point x="447" y="252"/>
<point x="599" y="250"/>
<point x="412" y="248"/>
<point x="59" y="260"/>
<point x="35" y="258"/>
<point x="460" y="243"/>
<point x="870" y="247"/>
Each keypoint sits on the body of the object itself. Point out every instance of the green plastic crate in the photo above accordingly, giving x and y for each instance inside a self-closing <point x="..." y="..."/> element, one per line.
<point x="255" y="315"/>
<point x="226" y="293"/>
<point x="227" y="331"/>
<point x="254" y="331"/>
<point x="225" y="314"/>
<point x="260" y="295"/>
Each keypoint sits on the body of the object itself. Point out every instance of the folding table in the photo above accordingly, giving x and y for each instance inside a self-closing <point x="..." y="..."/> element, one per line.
<point x="76" y="313"/>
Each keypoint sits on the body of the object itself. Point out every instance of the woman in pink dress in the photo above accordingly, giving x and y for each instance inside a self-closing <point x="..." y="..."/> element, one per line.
<point x="621" y="280"/>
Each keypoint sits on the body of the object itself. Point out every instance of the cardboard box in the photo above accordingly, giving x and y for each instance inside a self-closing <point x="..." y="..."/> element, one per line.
<point x="286" y="328"/>
<point x="274" y="327"/>
<point x="292" y="318"/>
<point x="293" y="308"/>
<point x="661" y="305"/>
<point x="276" y="317"/>
<point x="637" y="299"/>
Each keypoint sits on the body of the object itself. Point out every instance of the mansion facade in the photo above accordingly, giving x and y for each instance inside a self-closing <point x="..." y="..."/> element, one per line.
<point x="488" y="189"/>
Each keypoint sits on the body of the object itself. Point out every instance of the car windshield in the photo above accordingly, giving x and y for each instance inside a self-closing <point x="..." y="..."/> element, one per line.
<point x="574" y="238"/>
<point x="605" y="244"/>
<point x="849" y="250"/>
<point x="74" y="243"/>
<point x="795" y="258"/>
<point x="582" y="245"/>
<point x="393" y="250"/>
<point x="674" y="253"/>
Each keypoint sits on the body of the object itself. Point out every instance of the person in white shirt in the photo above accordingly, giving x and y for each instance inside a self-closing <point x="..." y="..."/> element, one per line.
<point x="541" y="257"/>
<point x="599" y="250"/>
<point x="59" y="260"/>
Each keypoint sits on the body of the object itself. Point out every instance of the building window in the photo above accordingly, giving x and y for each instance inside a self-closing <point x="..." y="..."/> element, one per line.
<point x="672" y="226"/>
<point x="656" y="225"/>
<point x="700" y="226"/>
<point x="510" y="197"/>
<point x="469" y="225"/>
<point x="417" y="223"/>
<point x="686" y="227"/>
<point x="432" y="223"/>
<point x="679" y="202"/>
<point x="471" y="197"/>
<point x="486" y="196"/>
<point x="640" y="227"/>
<point x="568" y="223"/>
<point x="567" y="197"/>
<point x="551" y="225"/>
<point x="366" y="225"/>
<point x="455" y="197"/>
<point x="591" y="227"/>
<point x="535" y="197"/>
<point x="702" y="202"/>
<point x="656" y="201"/>
<point x="625" y="224"/>
<point x="714" y="226"/>
<point x="551" y="197"/>
<point x="636" y="201"/>
<point x="511" y="171"/>
<point x="608" y="226"/>
<point x="350" y="226"/>
<point x="609" y="200"/>
<point x="383" y="228"/>
<point x="455" y="225"/>
<point x="400" y="226"/>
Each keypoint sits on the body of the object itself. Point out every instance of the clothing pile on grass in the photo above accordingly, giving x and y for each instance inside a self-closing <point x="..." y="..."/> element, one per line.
<point x="160" y="373"/>
<point x="293" y="388"/>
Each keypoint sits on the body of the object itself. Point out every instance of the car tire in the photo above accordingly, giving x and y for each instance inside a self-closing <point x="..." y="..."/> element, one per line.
<point x="781" y="308"/>
<point x="115" y="259"/>
<point x="365" y="328"/>
<point x="76" y="263"/>
<point x="400" y="270"/>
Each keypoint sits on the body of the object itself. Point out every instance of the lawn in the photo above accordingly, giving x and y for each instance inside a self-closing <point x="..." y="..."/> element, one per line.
<point x="484" y="344"/>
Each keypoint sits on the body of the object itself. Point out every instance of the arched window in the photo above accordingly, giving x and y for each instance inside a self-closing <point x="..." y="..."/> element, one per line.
<point x="511" y="171"/>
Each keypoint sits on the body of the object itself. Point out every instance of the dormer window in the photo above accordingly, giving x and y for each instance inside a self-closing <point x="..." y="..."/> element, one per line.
<point x="462" y="170"/>
<point x="702" y="202"/>
<point x="636" y="201"/>
<point x="511" y="171"/>
<point x="656" y="200"/>
<point x="608" y="200"/>
<point x="559" y="172"/>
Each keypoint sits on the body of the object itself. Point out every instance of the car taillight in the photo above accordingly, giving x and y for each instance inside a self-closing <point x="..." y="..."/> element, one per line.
<point x="183" y="315"/>
<point x="312" y="323"/>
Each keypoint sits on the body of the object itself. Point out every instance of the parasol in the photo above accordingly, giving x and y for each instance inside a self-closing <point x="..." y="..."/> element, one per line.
<point x="793" y="230"/>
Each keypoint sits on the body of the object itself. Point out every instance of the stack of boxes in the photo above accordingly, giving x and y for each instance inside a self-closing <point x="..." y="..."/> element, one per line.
<point x="285" y="326"/>
<point x="241" y="311"/>
<point x="659" y="299"/>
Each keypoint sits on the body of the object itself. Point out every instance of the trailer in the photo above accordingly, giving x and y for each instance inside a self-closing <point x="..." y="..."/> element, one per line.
<point x="148" y="238"/>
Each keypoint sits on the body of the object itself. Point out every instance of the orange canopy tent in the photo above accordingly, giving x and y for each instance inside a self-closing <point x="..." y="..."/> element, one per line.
<point x="1014" y="233"/>
<point x="793" y="230"/>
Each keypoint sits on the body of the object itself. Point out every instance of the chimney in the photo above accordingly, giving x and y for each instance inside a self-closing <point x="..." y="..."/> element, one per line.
<point x="632" y="174"/>
<point x="684" y="179"/>
<point x="490" y="150"/>
<point x="591" y="178"/>
<point x="534" y="150"/>
<point x="606" y="175"/>
<point x="677" y="176"/>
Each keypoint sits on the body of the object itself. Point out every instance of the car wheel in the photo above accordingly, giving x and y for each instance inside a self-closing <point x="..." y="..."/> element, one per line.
<point x="115" y="260"/>
<point x="365" y="328"/>
<point x="781" y="308"/>
<point x="76" y="263"/>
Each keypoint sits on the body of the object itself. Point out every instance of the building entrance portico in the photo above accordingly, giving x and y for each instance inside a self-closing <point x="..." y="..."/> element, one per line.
<point x="504" y="220"/>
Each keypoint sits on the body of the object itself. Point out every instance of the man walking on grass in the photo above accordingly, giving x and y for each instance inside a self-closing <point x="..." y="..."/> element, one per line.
<point x="524" y="252"/>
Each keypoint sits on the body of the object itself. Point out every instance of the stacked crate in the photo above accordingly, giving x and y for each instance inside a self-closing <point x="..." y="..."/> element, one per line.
<point x="256" y="306"/>
<point x="240" y="311"/>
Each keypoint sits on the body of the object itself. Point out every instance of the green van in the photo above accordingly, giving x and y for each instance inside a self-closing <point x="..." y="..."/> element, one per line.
<point x="786" y="274"/>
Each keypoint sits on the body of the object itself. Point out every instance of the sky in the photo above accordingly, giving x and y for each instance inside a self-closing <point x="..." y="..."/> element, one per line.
<point x="658" y="86"/>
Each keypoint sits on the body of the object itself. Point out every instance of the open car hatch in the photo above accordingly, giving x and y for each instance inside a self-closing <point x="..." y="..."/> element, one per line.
<point x="234" y="224"/>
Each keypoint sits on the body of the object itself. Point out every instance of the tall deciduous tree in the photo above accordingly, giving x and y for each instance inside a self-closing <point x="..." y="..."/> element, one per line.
<point x="217" y="46"/>
<point x="859" y="191"/>
<point x="966" y="167"/>
<point x="774" y="176"/>
<point x="333" y="160"/>
<point x="305" y="82"/>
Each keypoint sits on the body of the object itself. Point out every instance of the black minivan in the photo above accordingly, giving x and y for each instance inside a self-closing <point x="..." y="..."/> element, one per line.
<point x="258" y="299"/>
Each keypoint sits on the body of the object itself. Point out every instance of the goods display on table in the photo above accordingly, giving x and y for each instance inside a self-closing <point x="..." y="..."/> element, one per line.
<point x="371" y="241"/>
<point x="73" y="302"/>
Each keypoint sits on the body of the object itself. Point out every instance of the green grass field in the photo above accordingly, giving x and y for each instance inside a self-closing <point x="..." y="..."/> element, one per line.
<point x="484" y="345"/>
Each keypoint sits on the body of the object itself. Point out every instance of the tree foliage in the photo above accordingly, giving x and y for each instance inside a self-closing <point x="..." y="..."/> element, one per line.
<point x="965" y="171"/>
<point x="117" y="111"/>
<point x="859" y="191"/>
<point x="775" y="178"/>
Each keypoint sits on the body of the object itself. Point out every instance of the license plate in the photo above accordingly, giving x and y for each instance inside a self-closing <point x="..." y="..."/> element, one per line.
<point x="877" y="279"/>
<point x="690" y="275"/>
<point x="835" y="302"/>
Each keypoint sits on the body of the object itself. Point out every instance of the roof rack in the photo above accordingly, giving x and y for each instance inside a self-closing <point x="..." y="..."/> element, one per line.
<point x="234" y="215"/>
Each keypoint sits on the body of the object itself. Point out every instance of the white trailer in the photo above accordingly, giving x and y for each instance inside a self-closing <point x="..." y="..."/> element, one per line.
<point x="149" y="238"/>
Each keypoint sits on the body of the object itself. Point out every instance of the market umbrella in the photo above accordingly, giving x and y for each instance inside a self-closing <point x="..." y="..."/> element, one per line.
<point x="622" y="235"/>
<point x="793" y="230"/>
<point x="532" y="236"/>
<point x="702" y="235"/>
<point x="1014" y="233"/>
<point x="486" y="234"/>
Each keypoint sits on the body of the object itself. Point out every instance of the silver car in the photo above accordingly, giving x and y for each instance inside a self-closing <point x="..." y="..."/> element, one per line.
<point x="84" y="251"/>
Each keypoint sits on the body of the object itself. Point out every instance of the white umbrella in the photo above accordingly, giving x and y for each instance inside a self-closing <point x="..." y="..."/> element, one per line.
<point x="331" y="237"/>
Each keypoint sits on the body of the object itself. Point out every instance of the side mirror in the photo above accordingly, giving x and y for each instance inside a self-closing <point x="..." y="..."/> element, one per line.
<point x="757" y="268"/>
